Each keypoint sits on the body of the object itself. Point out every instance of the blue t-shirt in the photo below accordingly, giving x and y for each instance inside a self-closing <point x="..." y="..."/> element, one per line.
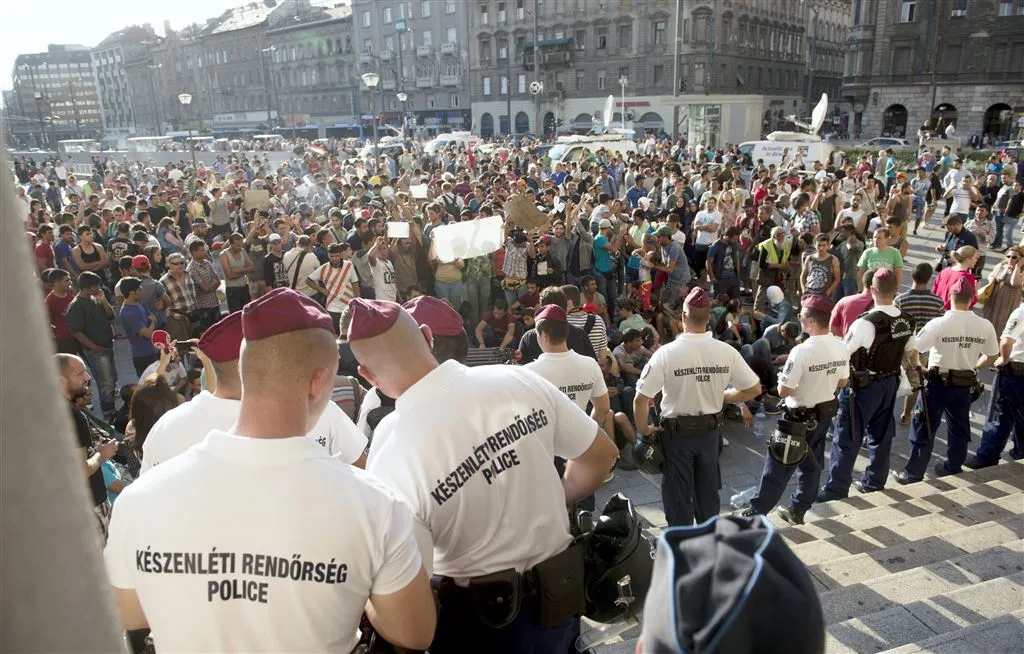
<point x="135" y="317"/>
<point x="110" y="475"/>
<point x="602" y="258"/>
<point x="61" y="253"/>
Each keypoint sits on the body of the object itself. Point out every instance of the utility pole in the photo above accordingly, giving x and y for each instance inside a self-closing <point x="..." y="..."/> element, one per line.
<point x="710" y="62"/>
<point x="675" y="75"/>
<point x="811" y="56"/>
<point x="536" y="69"/>
<point x="508" y="83"/>
<point x="401" y="27"/>
<point x="935" y="61"/>
<point x="266" y="82"/>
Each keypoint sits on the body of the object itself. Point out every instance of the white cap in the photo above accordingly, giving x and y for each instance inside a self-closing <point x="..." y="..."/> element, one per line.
<point x="274" y="237"/>
<point x="775" y="294"/>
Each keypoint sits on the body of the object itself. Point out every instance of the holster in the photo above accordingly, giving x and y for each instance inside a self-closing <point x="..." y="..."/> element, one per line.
<point x="827" y="410"/>
<point x="558" y="586"/>
<point x="860" y="379"/>
<point x="497" y="597"/>
<point x="693" y="425"/>
<point x="952" y="378"/>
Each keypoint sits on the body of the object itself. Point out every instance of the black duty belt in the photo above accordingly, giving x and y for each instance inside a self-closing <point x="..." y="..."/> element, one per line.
<point x="693" y="425"/>
<point x="861" y="378"/>
<point x="952" y="378"/>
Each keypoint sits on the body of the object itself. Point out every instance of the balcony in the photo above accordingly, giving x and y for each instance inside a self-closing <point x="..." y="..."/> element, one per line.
<point x="425" y="82"/>
<point x="561" y="58"/>
<point x="449" y="48"/>
<point x="365" y="59"/>
<point x="451" y="80"/>
<point x="386" y="55"/>
<point x="424" y="50"/>
<point x="388" y="84"/>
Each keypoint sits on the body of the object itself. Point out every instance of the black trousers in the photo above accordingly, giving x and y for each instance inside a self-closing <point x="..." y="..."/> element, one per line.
<point x="237" y="296"/>
<point x="689" y="489"/>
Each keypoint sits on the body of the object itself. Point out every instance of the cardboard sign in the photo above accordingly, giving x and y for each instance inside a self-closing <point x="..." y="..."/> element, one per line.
<point x="398" y="230"/>
<point x="255" y="199"/>
<point x="521" y="211"/>
<point x="472" y="238"/>
<point x="419" y="191"/>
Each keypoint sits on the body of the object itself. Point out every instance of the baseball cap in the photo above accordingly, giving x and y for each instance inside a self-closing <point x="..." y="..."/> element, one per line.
<point x="140" y="261"/>
<point x="274" y="237"/>
<point x="604" y="224"/>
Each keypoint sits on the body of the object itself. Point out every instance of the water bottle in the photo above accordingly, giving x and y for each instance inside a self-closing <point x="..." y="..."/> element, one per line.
<point x="760" y="427"/>
<point x="742" y="499"/>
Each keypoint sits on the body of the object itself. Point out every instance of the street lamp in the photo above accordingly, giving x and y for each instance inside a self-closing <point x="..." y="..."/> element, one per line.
<point x="372" y="80"/>
<point x="266" y="80"/>
<point x="403" y="98"/>
<point x="623" y="81"/>
<point x="186" y="99"/>
<point x="42" y="124"/>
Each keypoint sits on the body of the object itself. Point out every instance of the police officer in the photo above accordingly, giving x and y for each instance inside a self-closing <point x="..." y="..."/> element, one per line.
<point x="958" y="344"/>
<point x="470" y="450"/>
<point x="876" y="342"/>
<point x="814" y="371"/>
<point x="1007" y="413"/>
<point x="693" y="374"/>
<point x="243" y="529"/>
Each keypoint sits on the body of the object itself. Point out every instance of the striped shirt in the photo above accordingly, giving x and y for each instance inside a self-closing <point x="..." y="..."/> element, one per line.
<point x="339" y="281"/>
<point x="598" y="334"/>
<point x="921" y="305"/>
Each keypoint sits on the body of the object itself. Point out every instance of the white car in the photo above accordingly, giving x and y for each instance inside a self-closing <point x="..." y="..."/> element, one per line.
<point x="883" y="142"/>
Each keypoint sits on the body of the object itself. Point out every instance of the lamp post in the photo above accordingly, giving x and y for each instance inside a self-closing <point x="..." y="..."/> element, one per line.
<point x="266" y="81"/>
<point x="156" y="96"/>
<point x="42" y="124"/>
<point x="623" y="81"/>
<point x="372" y="80"/>
<point x="403" y="98"/>
<point x="186" y="99"/>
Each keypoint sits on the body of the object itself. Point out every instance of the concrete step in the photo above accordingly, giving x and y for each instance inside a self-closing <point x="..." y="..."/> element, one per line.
<point x="873" y="596"/>
<point x="1001" y="635"/>
<point x="924" y="619"/>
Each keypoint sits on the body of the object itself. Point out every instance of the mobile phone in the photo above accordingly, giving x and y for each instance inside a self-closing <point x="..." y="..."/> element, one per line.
<point x="184" y="347"/>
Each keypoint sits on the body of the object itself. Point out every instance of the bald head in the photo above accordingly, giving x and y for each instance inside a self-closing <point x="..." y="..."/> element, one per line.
<point x="397" y="358"/>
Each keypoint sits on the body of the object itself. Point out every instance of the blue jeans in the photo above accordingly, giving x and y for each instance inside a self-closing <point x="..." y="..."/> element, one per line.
<point x="104" y="371"/>
<point x="1009" y="231"/>
<point x="478" y="294"/>
<point x="606" y="286"/>
<point x="512" y="296"/>
<point x="1005" y="418"/>
<point x="453" y="292"/>
<point x="997" y="240"/>
<point x="846" y="287"/>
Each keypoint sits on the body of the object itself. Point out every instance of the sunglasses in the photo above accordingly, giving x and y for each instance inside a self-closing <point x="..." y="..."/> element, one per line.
<point x="1013" y="257"/>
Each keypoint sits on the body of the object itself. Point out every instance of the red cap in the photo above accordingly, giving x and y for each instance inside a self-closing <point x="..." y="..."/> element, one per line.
<point x="551" y="312"/>
<point x="371" y="318"/>
<point x="217" y="246"/>
<point x="280" y="311"/>
<point x="222" y="341"/>
<point x="962" y="285"/>
<point x="140" y="261"/>
<point x="817" y="303"/>
<point x="589" y="307"/>
<point x="442" y="319"/>
<point x="698" y="298"/>
<point x="160" y="339"/>
<point x="883" y="274"/>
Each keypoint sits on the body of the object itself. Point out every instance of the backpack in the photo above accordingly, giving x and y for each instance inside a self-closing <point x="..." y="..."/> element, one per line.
<point x="348" y="395"/>
<point x="387" y="406"/>
<point x="451" y="205"/>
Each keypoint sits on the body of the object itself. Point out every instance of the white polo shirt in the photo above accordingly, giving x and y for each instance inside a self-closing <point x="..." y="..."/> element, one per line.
<point x="957" y="339"/>
<point x="189" y="423"/>
<point x="813" y="370"/>
<point x="694" y="371"/>
<point x="1015" y="329"/>
<point x="266" y="545"/>
<point x="578" y="377"/>
<point x="470" y="450"/>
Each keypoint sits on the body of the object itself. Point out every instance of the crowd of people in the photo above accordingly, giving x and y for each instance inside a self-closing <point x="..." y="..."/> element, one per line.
<point x="660" y="290"/>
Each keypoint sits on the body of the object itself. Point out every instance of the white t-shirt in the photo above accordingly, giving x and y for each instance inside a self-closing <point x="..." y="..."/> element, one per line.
<point x="856" y="215"/>
<point x="384" y="279"/>
<point x="249" y="545"/>
<point x="961" y="201"/>
<point x="309" y="264"/>
<point x="703" y="218"/>
<point x="470" y="450"/>
<point x="579" y="377"/>
<point x="173" y="375"/>
<point x="189" y="423"/>
<point x="862" y="333"/>
<point x="956" y="340"/>
<point x="1015" y="329"/>
<point x="693" y="371"/>
<point x="813" y="370"/>
<point x="341" y="282"/>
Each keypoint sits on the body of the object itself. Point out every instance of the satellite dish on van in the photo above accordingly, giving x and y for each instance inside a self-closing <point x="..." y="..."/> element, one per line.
<point x="817" y="118"/>
<point x="609" y="108"/>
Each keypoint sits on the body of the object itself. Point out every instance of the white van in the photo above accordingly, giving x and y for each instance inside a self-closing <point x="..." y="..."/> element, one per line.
<point x="570" y="148"/>
<point x="771" y="150"/>
<point x="465" y="140"/>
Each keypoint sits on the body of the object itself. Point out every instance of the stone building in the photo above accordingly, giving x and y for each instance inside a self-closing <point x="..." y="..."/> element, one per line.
<point x="124" y="84"/>
<point x="914" y="62"/>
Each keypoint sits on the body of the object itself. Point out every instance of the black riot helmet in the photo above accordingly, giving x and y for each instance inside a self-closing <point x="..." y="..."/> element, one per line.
<point x="788" y="444"/>
<point x="647" y="454"/>
<point x="619" y="560"/>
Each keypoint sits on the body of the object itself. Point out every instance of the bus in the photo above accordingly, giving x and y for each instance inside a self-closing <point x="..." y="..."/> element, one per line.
<point x="147" y="143"/>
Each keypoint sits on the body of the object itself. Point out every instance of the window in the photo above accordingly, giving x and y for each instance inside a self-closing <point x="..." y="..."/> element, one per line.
<point x="452" y="35"/>
<point x="522" y="83"/>
<point x="625" y="33"/>
<point x="907" y="11"/>
<point x="367" y="45"/>
<point x="454" y="101"/>
<point x="502" y="49"/>
<point x="520" y="9"/>
<point x="1011" y="7"/>
<point x="502" y="17"/>
<point x="901" y="58"/>
<point x="389" y="43"/>
<point x="430" y="102"/>
<point x="387" y="15"/>
<point x="602" y="38"/>
<point x="485" y="52"/>
<point x="581" y="40"/>
<point x="602" y="80"/>
<point x="658" y="76"/>
<point x="425" y="9"/>
<point x="581" y="77"/>
<point x="700" y="28"/>
<point x="487" y="86"/>
<point x="366" y="19"/>
<point x="959" y="9"/>
<point x="483" y="15"/>
<point x="503" y="86"/>
<point x="449" y="6"/>
<point x="660" y="27"/>
<point x="951" y="58"/>
<point x="427" y="38"/>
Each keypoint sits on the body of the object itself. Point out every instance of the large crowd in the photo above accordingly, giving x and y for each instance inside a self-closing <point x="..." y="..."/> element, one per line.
<point x="633" y="251"/>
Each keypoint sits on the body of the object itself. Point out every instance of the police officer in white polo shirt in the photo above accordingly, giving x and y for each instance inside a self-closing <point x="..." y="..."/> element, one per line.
<point x="694" y="374"/>
<point x="470" y="451"/>
<point x="1006" y="416"/>
<point x="814" y="370"/>
<point x="958" y="344"/>
<point x="257" y="539"/>
<point x="188" y="423"/>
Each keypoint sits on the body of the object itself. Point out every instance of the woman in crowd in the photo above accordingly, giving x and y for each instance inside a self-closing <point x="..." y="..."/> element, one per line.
<point x="1007" y="279"/>
<point x="964" y="260"/>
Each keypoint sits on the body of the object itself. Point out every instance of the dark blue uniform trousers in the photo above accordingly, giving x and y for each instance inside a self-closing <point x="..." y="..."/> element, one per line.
<point x="955" y="405"/>
<point x="460" y="632"/>
<point x="775" y="476"/>
<point x="689" y="489"/>
<point x="1005" y="416"/>
<point x="874" y="407"/>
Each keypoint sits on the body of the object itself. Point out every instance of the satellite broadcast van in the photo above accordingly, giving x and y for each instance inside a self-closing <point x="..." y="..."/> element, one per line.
<point x="780" y="146"/>
<point x="607" y="138"/>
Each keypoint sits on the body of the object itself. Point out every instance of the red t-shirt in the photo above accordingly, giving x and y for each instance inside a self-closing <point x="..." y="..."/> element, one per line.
<point x="57" y="307"/>
<point x="945" y="280"/>
<point x="847" y="310"/>
<point x="529" y="300"/>
<point x="499" y="325"/>
<point x="44" y="251"/>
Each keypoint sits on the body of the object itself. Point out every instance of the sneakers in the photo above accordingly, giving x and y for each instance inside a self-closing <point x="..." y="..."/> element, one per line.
<point x="746" y="512"/>
<point x="725" y="442"/>
<point x="863" y="489"/>
<point x="789" y="515"/>
<point x="902" y="478"/>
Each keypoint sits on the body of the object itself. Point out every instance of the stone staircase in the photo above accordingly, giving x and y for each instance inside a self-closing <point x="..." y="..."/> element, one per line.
<point x="936" y="566"/>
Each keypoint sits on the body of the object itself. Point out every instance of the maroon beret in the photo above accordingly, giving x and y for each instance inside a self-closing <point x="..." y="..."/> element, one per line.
<point x="442" y="319"/>
<point x="698" y="298"/>
<point x="551" y="312"/>
<point x="817" y="303"/>
<point x="883" y="274"/>
<point x="280" y="311"/>
<point x="371" y="318"/>
<point x="222" y="341"/>
<point x="963" y="285"/>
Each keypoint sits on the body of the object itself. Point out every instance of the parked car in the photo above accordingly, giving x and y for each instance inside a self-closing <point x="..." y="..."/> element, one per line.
<point x="883" y="142"/>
